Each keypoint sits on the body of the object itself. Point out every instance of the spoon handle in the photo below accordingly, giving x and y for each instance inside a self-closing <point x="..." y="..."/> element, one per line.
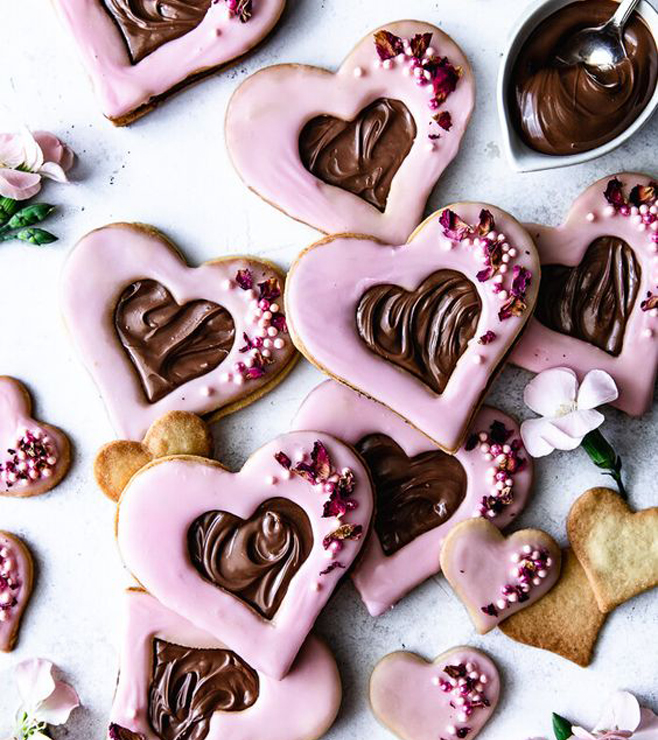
<point x="623" y="13"/>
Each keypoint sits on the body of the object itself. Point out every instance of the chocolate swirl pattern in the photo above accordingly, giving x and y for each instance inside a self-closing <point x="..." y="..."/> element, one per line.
<point x="189" y="684"/>
<point x="148" y="24"/>
<point x="256" y="559"/>
<point x="361" y="156"/>
<point x="593" y="300"/>
<point x="414" y="494"/>
<point x="424" y="331"/>
<point x="170" y="344"/>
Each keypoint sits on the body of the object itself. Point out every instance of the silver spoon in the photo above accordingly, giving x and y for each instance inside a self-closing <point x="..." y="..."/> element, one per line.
<point x="601" y="47"/>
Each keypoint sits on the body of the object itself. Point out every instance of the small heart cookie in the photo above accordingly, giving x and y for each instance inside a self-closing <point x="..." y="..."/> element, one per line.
<point x="16" y="576"/>
<point x="598" y="299"/>
<point x="360" y="150"/>
<point x="566" y="621"/>
<point x="421" y="492"/>
<point x="186" y="529"/>
<point x="497" y="576"/>
<point x="177" y="681"/>
<point x="423" y="327"/>
<point x="158" y="336"/>
<point x="617" y="548"/>
<point x="137" y="52"/>
<point x="34" y="457"/>
<point x="454" y="696"/>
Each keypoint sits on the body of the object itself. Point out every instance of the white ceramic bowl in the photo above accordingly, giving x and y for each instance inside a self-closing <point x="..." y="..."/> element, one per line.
<point x="520" y="155"/>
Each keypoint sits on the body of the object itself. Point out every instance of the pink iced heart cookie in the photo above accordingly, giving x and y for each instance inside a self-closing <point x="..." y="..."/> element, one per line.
<point x="422" y="327"/>
<point x="598" y="299"/>
<point x="137" y="52"/>
<point x="34" y="457"/>
<point x="497" y="576"/>
<point x="452" y="697"/>
<point x="159" y="336"/>
<point x="251" y="557"/>
<point x="360" y="150"/>
<point x="16" y="577"/>
<point x="177" y="681"/>
<point x="421" y="492"/>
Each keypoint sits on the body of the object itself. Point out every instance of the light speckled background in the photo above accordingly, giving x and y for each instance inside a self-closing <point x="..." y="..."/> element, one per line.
<point x="171" y="169"/>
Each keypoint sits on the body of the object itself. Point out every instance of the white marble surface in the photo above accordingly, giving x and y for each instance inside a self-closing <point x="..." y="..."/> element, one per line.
<point x="171" y="169"/>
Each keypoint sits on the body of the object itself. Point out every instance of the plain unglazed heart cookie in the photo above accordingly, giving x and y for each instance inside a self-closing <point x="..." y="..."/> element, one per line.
<point x="598" y="298"/>
<point x="452" y="697"/>
<point x="496" y="576"/>
<point x="16" y="578"/>
<point x="617" y="548"/>
<point x="177" y="681"/>
<point x="421" y="492"/>
<point x="359" y="150"/>
<point x="422" y="327"/>
<point x="34" y="457"/>
<point x="157" y="335"/>
<point x="137" y="52"/>
<point x="186" y="525"/>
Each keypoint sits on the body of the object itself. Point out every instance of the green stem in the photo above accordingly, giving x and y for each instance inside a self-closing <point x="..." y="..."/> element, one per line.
<point x="603" y="455"/>
<point x="561" y="727"/>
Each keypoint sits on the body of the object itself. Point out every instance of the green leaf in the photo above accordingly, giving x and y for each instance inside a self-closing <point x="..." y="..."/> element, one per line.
<point x="603" y="455"/>
<point x="38" y="237"/>
<point x="562" y="727"/>
<point x="30" y="215"/>
<point x="8" y="206"/>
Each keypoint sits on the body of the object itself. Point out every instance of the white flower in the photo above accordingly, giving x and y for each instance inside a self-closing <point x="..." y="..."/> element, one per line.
<point x="568" y="411"/>
<point x="622" y="718"/>
<point x="44" y="699"/>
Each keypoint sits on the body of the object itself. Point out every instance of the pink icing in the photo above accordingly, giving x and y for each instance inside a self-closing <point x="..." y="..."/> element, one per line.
<point x="122" y="87"/>
<point x="328" y="279"/>
<point x="303" y="705"/>
<point x="31" y="459"/>
<point x="101" y="266"/>
<point x="15" y="587"/>
<point x="411" y="698"/>
<point x="479" y="562"/>
<point x="161" y="502"/>
<point x="270" y="164"/>
<point x="542" y="348"/>
<point x="383" y="580"/>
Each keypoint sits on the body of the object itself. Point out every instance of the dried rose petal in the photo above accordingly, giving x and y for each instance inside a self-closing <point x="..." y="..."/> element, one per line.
<point x="444" y="78"/>
<point x="490" y="609"/>
<point x="520" y="281"/>
<point x="245" y="279"/>
<point x="283" y="460"/>
<point x="270" y="289"/>
<point x="444" y="119"/>
<point x="331" y="567"/>
<point x="471" y="442"/>
<point x="344" y="532"/>
<point x="388" y="45"/>
<point x="255" y="343"/>
<point x="650" y="302"/>
<point x="512" y="307"/>
<point x="487" y="338"/>
<point x="116" y="732"/>
<point x="486" y="224"/>
<point x="498" y="432"/>
<point x="455" y="671"/>
<point x="643" y="194"/>
<point x="244" y="10"/>
<point x="614" y="193"/>
<point x="453" y="226"/>
<point x="420" y="44"/>
<point x="278" y="321"/>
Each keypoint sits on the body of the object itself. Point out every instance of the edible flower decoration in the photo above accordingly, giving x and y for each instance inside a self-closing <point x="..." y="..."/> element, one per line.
<point x="468" y="686"/>
<point x="25" y="159"/>
<point x="242" y="9"/>
<point x="45" y="701"/>
<point x="569" y="417"/>
<point x="641" y="205"/>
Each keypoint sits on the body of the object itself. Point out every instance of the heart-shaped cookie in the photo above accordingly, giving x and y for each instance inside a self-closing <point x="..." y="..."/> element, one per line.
<point x="424" y="327"/>
<point x="34" y="457"/>
<point x="137" y="52"/>
<point x="598" y="300"/>
<point x="497" y="576"/>
<point x="177" y="681"/>
<point x="158" y="335"/>
<point x="617" y="548"/>
<point x="251" y="557"/>
<point x="421" y="492"/>
<point x="454" y="696"/>
<point x="360" y="150"/>
<point x="16" y="571"/>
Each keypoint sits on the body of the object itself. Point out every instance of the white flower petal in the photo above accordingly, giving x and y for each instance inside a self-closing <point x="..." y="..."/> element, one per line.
<point x="621" y="712"/>
<point x="33" y="160"/>
<point x="533" y="438"/>
<point x="55" y="710"/>
<point x="582" y="733"/>
<point x="597" y="388"/>
<point x="53" y="172"/>
<point x="551" y="390"/>
<point x="35" y="681"/>
<point x="11" y="151"/>
<point x="542" y="436"/>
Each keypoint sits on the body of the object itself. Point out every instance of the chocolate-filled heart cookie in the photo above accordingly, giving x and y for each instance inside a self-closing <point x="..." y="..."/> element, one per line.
<point x="359" y="150"/>
<point x="160" y="336"/>
<point x="422" y="327"/>
<point x="421" y="492"/>
<point x="137" y="52"/>
<point x="598" y="299"/>
<point x="177" y="682"/>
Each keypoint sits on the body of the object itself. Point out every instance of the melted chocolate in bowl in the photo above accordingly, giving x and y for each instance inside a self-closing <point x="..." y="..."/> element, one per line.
<point x="561" y="110"/>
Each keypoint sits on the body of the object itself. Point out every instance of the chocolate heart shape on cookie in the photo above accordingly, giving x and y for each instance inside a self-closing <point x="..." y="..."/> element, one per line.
<point x="177" y="681"/>
<point x="16" y="577"/>
<point x="157" y="335"/>
<point x="598" y="300"/>
<point x="421" y="492"/>
<point x="497" y="576"/>
<point x="137" y="52"/>
<point x="358" y="151"/>
<point x="453" y="696"/>
<point x="251" y="557"/>
<point x="423" y="327"/>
